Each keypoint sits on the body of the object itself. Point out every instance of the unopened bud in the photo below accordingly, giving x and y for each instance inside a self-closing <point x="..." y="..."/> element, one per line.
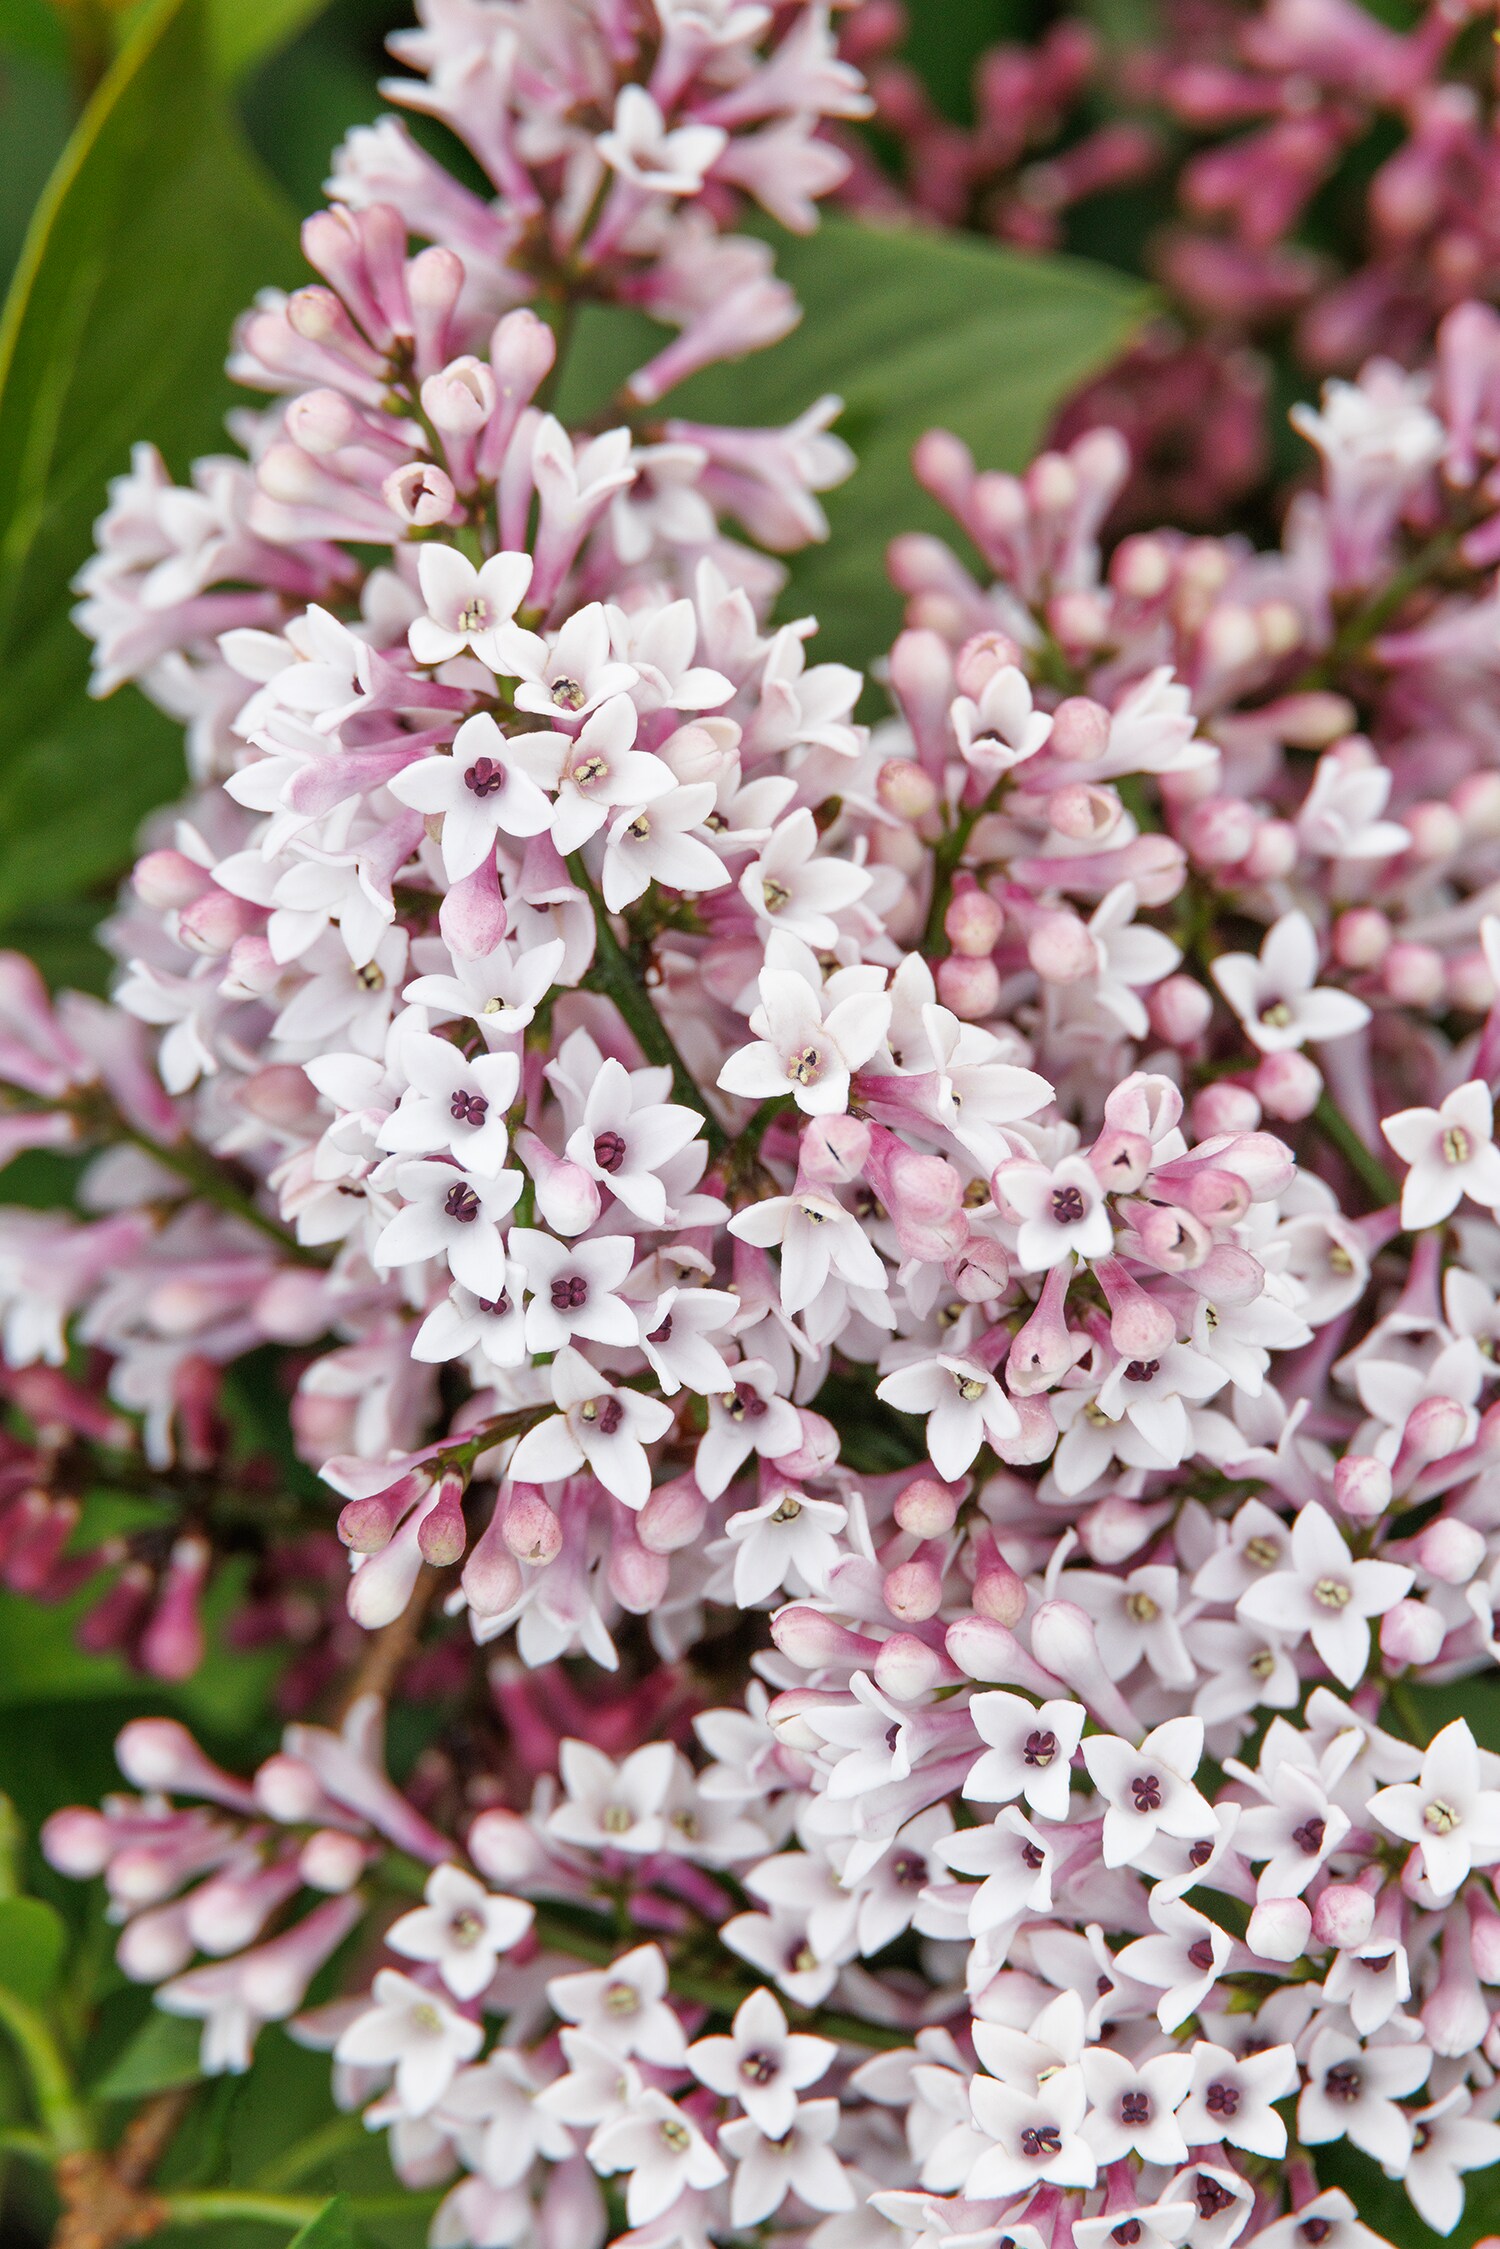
<point x="926" y="1508"/>
<point x="1343" y="1916"/>
<point x="1080" y="730"/>
<point x="1288" y="1085"/>
<point x="913" y="1591"/>
<point x="1181" y="1010"/>
<point x="1279" y="1929"/>
<point x="532" y="1532"/>
<point x="971" y="988"/>
<point x="332" y="1861"/>
<point x="973" y="923"/>
<point x="1411" y="1632"/>
<point x="1450" y="1550"/>
<point x="904" y="789"/>
<point x="1413" y="974"/>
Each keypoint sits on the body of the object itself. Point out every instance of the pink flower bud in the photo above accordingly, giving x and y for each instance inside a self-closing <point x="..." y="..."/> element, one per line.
<point x="156" y="1944"/>
<point x="1171" y="1240"/>
<point x="1141" y="567"/>
<point x="1079" y="619"/>
<point x="288" y="1790"/>
<point x="1046" y="1347"/>
<point x="810" y="1639"/>
<point x="567" y="1197"/>
<point x="926" y="1508"/>
<point x="472" y="917"/>
<point x="532" y="1531"/>
<point x="1413" y="974"/>
<point x="983" y="1648"/>
<point x="1456" y="2014"/>
<point x="160" y="1755"/>
<point x="1279" y="1929"/>
<point x="1035" y="1440"/>
<point x="1470" y="985"/>
<point x="1117" y="1526"/>
<point x="491" y="1580"/>
<point x="1273" y="854"/>
<point x="172" y="1645"/>
<point x="980" y="1270"/>
<point x="981" y="657"/>
<point x="332" y="1861"/>
<point x="905" y="790"/>
<point x="1476" y="800"/>
<point x="166" y="881"/>
<point x="944" y="466"/>
<point x="216" y="921"/>
<point x="971" y="988"/>
<point x="366" y="1525"/>
<point x="1080" y="730"/>
<point x="638" y="1578"/>
<point x="1120" y="1160"/>
<point x="913" y="1591"/>
<point x="973" y="923"/>
<point x="832" y="1151"/>
<point x="1343" y="1916"/>
<point x="1288" y="1085"/>
<point x="1484" y="1932"/>
<point x="1220" y="831"/>
<point x="1434" y="1428"/>
<point x="1362" y="1487"/>
<point x="1060" y="948"/>
<point x="1361" y="938"/>
<point x="1435" y="830"/>
<point x="998" y="1593"/>
<point x="907" y="1667"/>
<point x="1084" y="813"/>
<point x="1450" y="1550"/>
<point x="1411" y="1632"/>
<point x="421" y="494"/>
<point x="77" y="1842"/>
<point x="1141" y="1326"/>
<point x="1064" y="1640"/>
<point x="282" y="1095"/>
<point x="818" y="1450"/>
<point x="442" y="1533"/>
<point x="460" y="399"/>
<point x="672" y="1517"/>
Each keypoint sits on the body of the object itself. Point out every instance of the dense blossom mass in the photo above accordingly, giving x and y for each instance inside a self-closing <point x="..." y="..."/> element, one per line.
<point x="927" y="1255"/>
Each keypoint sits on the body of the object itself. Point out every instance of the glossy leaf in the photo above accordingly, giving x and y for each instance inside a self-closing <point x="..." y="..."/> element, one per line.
<point x="156" y="228"/>
<point x="162" y="2055"/>
<point x="32" y="1943"/>
<point x="912" y="330"/>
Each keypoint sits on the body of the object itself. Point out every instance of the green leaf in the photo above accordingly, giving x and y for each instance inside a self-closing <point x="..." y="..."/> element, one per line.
<point x="32" y="1943"/>
<point x="155" y="229"/>
<point x="913" y="331"/>
<point x="332" y="2228"/>
<point x="242" y="33"/>
<point x="162" y="2055"/>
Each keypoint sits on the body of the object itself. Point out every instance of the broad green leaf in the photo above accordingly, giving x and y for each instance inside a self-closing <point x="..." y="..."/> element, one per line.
<point x="156" y="228"/>
<point x="162" y="2055"/>
<point x="332" y="2228"/>
<point x="32" y="1942"/>
<point x="913" y="331"/>
<point x="242" y="33"/>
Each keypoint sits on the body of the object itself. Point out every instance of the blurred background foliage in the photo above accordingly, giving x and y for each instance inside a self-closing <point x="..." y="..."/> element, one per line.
<point x="156" y="160"/>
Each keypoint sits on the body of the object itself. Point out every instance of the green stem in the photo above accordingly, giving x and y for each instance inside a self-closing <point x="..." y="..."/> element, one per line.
<point x="236" y="2205"/>
<point x="58" y="2105"/>
<point x="331" y="2140"/>
<point x="207" y="1179"/>
<point x="1362" y="1161"/>
<point x="616" y="976"/>
<point x="1356" y="633"/>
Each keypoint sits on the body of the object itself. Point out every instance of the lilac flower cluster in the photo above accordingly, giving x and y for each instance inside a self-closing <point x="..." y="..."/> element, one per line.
<point x="643" y="1103"/>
